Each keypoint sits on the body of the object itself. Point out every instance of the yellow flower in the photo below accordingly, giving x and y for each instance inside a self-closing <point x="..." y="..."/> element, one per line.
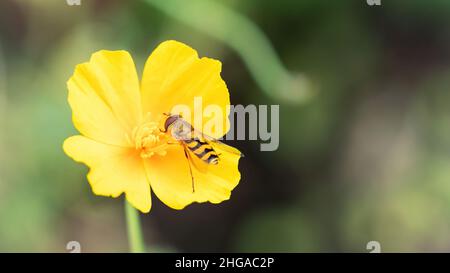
<point x="119" y="121"/>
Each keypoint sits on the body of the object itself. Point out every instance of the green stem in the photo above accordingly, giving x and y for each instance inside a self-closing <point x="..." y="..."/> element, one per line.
<point x="245" y="37"/>
<point x="135" y="238"/>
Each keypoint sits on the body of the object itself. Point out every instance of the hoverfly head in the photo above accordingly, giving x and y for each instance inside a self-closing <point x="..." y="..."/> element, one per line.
<point x="176" y="125"/>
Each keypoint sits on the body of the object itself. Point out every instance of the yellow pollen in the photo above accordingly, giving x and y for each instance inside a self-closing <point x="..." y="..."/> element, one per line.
<point x="148" y="139"/>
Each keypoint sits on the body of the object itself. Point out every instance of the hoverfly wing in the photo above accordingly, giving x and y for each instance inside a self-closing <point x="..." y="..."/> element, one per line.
<point x="196" y="134"/>
<point x="222" y="146"/>
<point x="198" y="164"/>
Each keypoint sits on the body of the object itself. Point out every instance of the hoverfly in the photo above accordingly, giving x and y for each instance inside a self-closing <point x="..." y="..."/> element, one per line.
<point x="195" y="144"/>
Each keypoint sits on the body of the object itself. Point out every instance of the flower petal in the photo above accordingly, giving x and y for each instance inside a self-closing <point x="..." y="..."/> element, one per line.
<point x="174" y="75"/>
<point x="104" y="97"/>
<point x="171" y="181"/>
<point x="113" y="170"/>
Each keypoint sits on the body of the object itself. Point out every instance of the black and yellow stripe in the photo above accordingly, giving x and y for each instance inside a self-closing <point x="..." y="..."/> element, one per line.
<point x="202" y="150"/>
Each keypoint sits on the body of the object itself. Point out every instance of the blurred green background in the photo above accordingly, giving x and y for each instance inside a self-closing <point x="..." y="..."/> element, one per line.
<point x="364" y="124"/>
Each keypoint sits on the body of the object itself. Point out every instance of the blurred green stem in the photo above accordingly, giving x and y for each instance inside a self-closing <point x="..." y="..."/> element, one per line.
<point x="246" y="39"/>
<point x="135" y="238"/>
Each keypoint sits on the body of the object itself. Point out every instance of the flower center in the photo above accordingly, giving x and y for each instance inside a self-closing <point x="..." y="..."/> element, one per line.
<point x="148" y="139"/>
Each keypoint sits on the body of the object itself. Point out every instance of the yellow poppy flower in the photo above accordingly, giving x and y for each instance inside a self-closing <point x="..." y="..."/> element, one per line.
<point x="119" y="122"/>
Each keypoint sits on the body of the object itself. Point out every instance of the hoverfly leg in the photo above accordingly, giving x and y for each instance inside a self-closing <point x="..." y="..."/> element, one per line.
<point x="190" y="169"/>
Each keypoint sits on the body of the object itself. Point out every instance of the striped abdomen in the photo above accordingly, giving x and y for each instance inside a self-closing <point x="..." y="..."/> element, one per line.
<point x="202" y="150"/>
